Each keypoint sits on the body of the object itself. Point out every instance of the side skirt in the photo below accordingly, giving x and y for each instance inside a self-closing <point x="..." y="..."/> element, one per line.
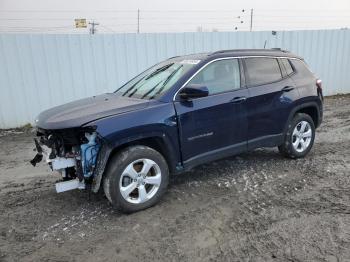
<point x="265" y="141"/>
<point x="215" y="155"/>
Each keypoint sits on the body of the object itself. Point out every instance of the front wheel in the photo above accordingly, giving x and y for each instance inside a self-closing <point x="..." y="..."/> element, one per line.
<point x="299" y="138"/>
<point x="136" y="179"/>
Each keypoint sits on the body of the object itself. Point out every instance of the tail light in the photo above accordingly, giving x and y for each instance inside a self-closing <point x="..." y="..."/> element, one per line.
<point x="319" y="84"/>
<point x="319" y="88"/>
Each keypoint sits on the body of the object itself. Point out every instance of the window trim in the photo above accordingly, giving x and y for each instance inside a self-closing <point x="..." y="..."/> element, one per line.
<point x="264" y="83"/>
<point x="241" y="71"/>
<point x="229" y="57"/>
<point x="283" y="68"/>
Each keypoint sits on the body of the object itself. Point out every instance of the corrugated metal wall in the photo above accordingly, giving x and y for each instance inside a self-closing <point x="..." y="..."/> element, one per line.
<point x="41" y="71"/>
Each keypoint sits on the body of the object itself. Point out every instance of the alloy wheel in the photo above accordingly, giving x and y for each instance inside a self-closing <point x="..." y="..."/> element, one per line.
<point x="140" y="181"/>
<point x="301" y="137"/>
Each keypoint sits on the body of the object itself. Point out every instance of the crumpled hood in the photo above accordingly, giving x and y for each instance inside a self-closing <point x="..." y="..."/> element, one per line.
<point x="80" y="112"/>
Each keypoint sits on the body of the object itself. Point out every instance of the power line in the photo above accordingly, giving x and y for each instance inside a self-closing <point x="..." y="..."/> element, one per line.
<point x="153" y="18"/>
<point x="38" y="27"/>
<point x="177" y="17"/>
<point x="175" y="11"/>
<point x="221" y="19"/>
<point x="32" y="30"/>
<point x="108" y="28"/>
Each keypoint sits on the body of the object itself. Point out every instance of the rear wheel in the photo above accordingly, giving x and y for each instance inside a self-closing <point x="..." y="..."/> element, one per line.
<point x="299" y="138"/>
<point x="136" y="179"/>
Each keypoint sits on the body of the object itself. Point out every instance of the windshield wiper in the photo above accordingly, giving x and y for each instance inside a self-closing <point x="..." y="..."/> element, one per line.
<point x="151" y="90"/>
<point x="133" y="86"/>
<point x="161" y="69"/>
<point x="166" y="81"/>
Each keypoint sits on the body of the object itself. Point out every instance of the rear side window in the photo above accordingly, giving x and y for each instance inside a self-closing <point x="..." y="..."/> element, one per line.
<point x="301" y="67"/>
<point x="287" y="66"/>
<point x="220" y="76"/>
<point x="262" y="70"/>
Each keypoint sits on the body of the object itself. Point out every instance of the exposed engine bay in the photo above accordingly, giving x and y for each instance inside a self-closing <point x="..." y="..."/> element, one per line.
<point x="71" y="152"/>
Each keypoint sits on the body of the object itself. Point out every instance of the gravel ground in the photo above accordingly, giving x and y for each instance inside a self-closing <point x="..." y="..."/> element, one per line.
<point x="256" y="206"/>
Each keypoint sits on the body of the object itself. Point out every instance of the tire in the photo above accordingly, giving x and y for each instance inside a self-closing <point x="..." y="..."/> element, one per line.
<point x="289" y="148"/>
<point x="127" y="183"/>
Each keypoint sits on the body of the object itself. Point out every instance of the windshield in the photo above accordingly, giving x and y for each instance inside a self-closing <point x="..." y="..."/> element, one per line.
<point x="156" y="80"/>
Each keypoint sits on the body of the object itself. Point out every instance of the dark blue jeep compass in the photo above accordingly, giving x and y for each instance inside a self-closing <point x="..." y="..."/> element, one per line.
<point x="178" y="114"/>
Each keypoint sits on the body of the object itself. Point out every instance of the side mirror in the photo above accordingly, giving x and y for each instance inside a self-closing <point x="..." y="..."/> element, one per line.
<point x="193" y="91"/>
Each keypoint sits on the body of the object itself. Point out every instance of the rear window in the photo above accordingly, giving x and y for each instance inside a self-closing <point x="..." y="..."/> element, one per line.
<point x="262" y="70"/>
<point x="287" y="66"/>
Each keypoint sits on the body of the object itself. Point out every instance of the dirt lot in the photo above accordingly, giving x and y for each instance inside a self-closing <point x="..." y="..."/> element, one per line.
<point x="257" y="206"/>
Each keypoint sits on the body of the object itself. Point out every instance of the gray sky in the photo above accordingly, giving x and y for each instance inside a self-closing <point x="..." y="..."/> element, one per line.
<point x="57" y="16"/>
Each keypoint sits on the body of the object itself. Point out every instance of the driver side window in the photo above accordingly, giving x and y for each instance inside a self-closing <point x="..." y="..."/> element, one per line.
<point x="219" y="76"/>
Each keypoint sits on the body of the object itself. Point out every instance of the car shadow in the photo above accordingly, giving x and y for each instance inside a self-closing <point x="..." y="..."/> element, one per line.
<point x="239" y="162"/>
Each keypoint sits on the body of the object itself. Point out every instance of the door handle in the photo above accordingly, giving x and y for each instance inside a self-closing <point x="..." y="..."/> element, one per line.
<point x="287" y="88"/>
<point x="239" y="99"/>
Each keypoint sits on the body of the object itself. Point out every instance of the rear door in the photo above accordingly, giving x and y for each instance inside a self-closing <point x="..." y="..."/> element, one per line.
<point x="214" y="126"/>
<point x="271" y="97"/>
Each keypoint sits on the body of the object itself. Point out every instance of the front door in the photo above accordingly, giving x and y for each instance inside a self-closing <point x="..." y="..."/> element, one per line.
<point x="214" y="126"/>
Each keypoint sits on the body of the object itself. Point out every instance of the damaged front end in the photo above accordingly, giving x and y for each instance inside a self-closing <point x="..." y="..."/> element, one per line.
<point x="77" y="154"/>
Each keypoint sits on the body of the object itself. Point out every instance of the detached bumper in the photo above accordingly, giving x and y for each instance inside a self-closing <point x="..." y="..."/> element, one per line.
<point x="57" y="163"/>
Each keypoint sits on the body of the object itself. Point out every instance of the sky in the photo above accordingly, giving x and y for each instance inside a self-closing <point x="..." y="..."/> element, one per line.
<point x="115" y="16"/>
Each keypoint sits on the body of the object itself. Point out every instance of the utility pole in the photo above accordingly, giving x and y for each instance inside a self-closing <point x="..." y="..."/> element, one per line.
<point x="251" y="19"/>
<point x="138" y="21"/>
<point x="92" y="28"/>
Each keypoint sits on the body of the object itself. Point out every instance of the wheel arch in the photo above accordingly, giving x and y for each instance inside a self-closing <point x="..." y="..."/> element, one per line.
<point x="312" y="111"/>
<point x="156" y="142"/>
<point x="309" y="108"/>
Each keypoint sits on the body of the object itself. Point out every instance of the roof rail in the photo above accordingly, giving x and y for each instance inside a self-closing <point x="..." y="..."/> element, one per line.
<point x="173" y="57"/>
<point x="280" y="49"/>
<point x="249" y="50"/>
